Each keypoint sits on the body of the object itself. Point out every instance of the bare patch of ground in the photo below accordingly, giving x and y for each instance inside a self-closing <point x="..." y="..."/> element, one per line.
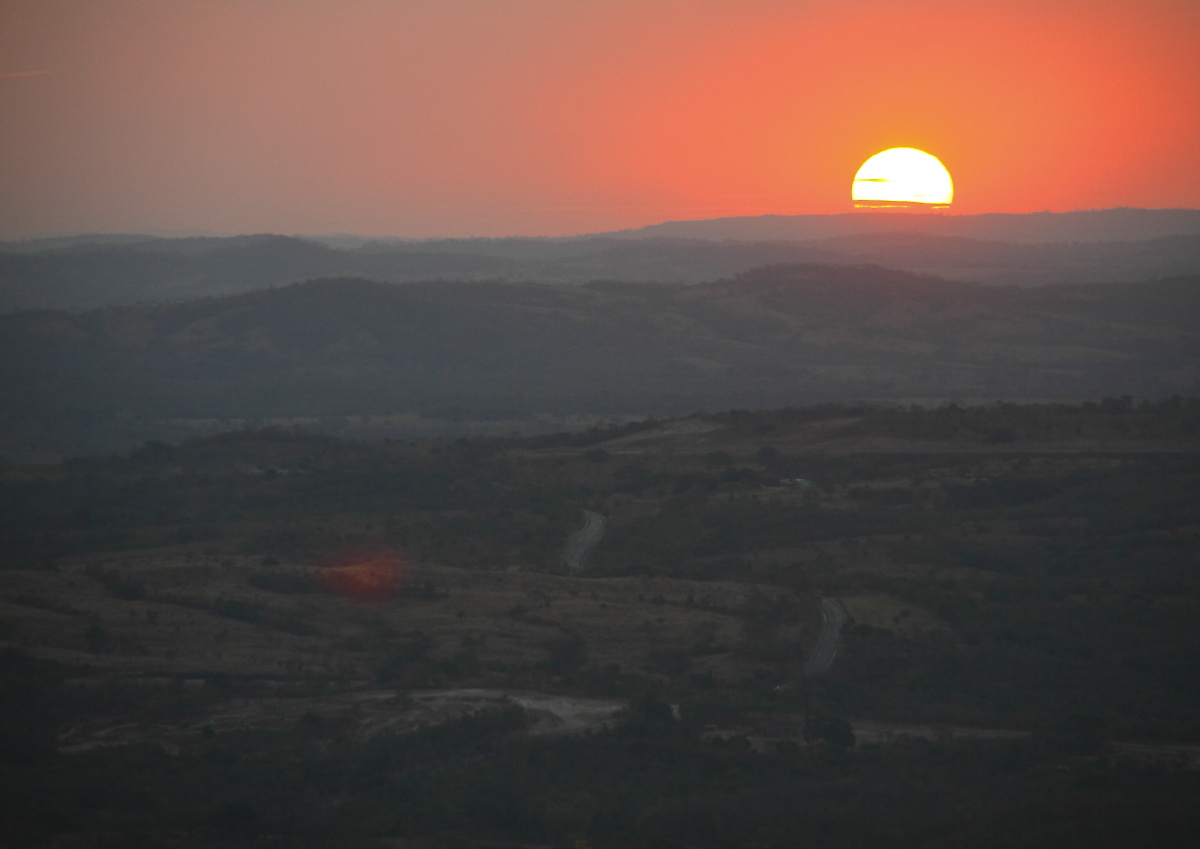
<point x="891" y="614"/>
<point x="362" y="715"/>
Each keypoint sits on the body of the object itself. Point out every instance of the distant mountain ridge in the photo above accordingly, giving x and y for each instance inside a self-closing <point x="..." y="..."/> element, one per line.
<point x="91" y="272"/>
<point x="1100" y="225"/>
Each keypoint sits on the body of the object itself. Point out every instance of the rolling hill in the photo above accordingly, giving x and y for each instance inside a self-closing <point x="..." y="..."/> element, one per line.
<point x="1037" y="249"/>
<point x="530" y="356"/>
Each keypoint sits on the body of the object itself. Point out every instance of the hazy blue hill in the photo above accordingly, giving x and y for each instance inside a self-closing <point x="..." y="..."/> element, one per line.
<point x="1028" y="250"/>
<point x="1012" y="263"/>
<point x="83" y="240"/>
<point x="782" y="335"/>
<point x="1101" y="225"/>
<point x="87" y="275"/>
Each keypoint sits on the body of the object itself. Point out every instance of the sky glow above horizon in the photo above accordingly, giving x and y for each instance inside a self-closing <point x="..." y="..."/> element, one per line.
<point x="433" y="118"/>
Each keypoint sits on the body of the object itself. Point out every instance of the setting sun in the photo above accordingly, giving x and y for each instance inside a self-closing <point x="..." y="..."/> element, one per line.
<point x="902" y="177"/>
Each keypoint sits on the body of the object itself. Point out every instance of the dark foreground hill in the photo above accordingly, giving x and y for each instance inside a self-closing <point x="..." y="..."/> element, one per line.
<point x="179" y="666"/>
<point x="510" y="353"/>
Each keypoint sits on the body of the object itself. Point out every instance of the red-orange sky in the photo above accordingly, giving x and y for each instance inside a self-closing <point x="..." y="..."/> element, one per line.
<point x="528" y="117"/>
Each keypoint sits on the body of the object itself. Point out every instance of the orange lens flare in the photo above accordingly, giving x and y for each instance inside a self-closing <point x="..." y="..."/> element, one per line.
<point x="368" y="576"/>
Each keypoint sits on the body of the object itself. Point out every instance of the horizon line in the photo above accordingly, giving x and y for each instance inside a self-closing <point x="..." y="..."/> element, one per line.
<point x="942" y="212"/>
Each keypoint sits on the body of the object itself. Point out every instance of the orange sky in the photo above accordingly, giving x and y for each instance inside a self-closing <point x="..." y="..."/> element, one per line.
<point x="551" y="117"/>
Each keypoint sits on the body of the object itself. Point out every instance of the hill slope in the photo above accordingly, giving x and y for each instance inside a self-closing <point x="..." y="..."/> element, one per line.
<point x="1098" y="225"/>
<point x="776" y="336"/>
<point x="1125" y="245"/>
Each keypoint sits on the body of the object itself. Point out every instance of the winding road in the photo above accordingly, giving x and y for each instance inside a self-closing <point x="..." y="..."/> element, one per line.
<point x="827" y="643"/>
<point x="582" y="541"/>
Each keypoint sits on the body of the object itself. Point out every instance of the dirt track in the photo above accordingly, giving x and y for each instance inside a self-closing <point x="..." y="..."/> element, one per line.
<point x="367" y="713"/>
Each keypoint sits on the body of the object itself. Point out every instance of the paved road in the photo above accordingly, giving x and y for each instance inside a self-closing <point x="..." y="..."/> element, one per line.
<point x="581" y="542"/>
<point x="822" y="656"/>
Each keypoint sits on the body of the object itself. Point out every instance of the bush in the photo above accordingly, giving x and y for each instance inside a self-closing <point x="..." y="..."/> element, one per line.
<point x="239" y="610"/>
<point x="287" y="583"/>
<point x="834" y="730"/>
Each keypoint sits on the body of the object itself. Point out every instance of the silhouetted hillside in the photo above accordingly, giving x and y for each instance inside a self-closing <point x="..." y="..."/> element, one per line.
<point x="1011" y="263"/>
<point x="504" y="351"/>
<point x="90" y="272"/>
<point x="1099" y="225"/>
<point x="87" y="275"/>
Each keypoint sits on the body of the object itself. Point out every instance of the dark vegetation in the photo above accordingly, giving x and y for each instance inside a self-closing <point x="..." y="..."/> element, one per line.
<point x="1025" y="571"/>
<point x="473" y="783"/>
